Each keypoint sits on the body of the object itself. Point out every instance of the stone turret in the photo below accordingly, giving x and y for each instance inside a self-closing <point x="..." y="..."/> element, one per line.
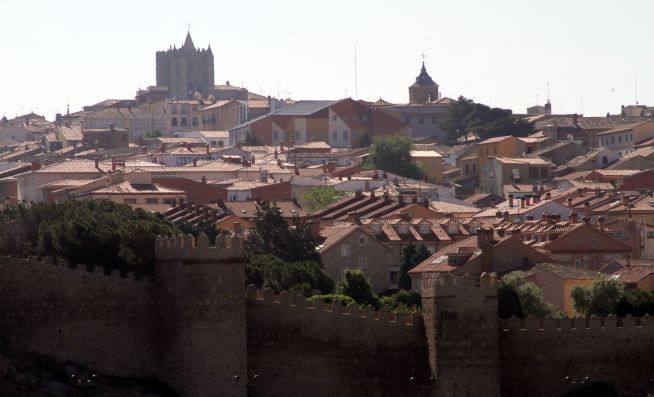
<point x="202" y="341"/>
<point x="460" y="315"/>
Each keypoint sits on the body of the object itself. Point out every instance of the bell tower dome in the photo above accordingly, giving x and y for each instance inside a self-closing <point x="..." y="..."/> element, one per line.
<point x="424" y="89"/>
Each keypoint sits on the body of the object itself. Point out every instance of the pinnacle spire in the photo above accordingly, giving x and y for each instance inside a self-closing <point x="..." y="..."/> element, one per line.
<point x="189" y="41"/>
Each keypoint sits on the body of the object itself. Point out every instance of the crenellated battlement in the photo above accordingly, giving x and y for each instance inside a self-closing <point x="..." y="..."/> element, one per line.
<point x="594" y="323"/>
<point x="352" y="311"/>
<point x="186" y="248"/>
<point x="76" y="269"/>
<point x="442" y="285"/>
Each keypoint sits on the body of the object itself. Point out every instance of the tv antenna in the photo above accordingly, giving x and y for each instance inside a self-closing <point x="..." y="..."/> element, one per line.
<point x="356" y="88"/>
<point x="535" y="96"/>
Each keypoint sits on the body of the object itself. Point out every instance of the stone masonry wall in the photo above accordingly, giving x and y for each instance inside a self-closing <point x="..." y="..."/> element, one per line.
<point x="461" y="322"/>
<point x="202" y="337"/>
<point x="300" y="348"/>
<point x="538" y="354"/>
<point x="104" y="322"/>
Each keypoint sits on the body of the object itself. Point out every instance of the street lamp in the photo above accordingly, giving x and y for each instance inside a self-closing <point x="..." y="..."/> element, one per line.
<point x="416" y="383"/>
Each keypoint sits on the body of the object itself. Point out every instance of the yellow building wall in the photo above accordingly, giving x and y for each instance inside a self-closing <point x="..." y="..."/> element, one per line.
<point x="317" y="129"/>
<point x="432" y="167"/>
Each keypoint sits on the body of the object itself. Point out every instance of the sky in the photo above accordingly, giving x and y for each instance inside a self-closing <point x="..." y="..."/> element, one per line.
<point x="503" y="53"/>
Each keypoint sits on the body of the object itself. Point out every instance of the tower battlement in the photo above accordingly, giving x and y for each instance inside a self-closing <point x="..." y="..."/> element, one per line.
<point x="189" y="249"/>
<point x="446" y="285"/>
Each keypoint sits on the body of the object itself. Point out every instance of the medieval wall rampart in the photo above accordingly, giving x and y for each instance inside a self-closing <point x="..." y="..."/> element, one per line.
<point x="537" y="355"/>
<point x="62" y="310"/>
<point x="202" y="336"/>
<point x="304" y="348"/>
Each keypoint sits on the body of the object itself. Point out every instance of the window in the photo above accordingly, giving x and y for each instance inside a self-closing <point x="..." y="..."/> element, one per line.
<point x="403" y="229"/>
<point x="173" y="109"/>
<point x="173" y="122"/>
<point x="363" y="240"/>
<point x="612" y="140"/>
<point x="424" y="229"/>
<point x="151" y="201"/>
<point x="467" y="170"/>
<point x="650" y="234"/>
<point x="452" y="228"/>
<point x="474" y="168"/>
<point x="631" y="138"/>
<point x="184" y="108"/>
<point x="297" y="135"/>
<point x="421" y="120"/>
<point x="533" y="172"/>
<point x="363" y="262"/>
<point x="184" y="122"/>
<point x="129" y="201"/>
<point x="345" y="250"/>
<point x="515" y="173"/>
<point x="335" y="135"/>
<point x="194" y="121"/>
<point x="364" y="117"/>
<point x="333" y="117"/>
<point x="345" y="135"/>
<point x="619" y="138"/>
<point x="221" y="144"/>
<point x="577" y="263"/>
<point x="605" y="160"/>
<point x="194" y="108"/>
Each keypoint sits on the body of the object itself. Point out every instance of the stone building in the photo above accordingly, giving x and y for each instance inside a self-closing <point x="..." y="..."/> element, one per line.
<point x="186" y="70"/>
<point x="424" y="90"/>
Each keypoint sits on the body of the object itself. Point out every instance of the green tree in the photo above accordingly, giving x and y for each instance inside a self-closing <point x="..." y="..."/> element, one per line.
<point x="329" y="298"/>
<point x="405" y="302"/>
<point x="364" y="141"/>
<point x="320" y="197"/>
<point x="517" y="297"/>
<point x="392" y="153"/>
<point x="601" y="298"/>
<point x="300" y="278"/>
<point x="412" y="255"/>
<point x="465" y="116"/>
<point x="272" y="235"/>
<point x="355" y="285"/>
<point x="636" y="302"/>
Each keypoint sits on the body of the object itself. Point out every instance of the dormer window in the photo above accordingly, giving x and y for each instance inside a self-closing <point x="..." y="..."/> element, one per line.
<point x="403" y="229"/>
<point x="424" y="229"/>
<point x="452" y="228"/>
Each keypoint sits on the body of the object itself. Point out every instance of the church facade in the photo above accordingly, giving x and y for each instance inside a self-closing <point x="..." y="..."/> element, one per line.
<point x="186" y="71"/>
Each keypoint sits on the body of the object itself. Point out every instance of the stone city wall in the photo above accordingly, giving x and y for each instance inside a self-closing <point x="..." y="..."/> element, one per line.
<point x="102" y="321"/>
<point x="301" y="348"/>
<point x="537" y="355"/>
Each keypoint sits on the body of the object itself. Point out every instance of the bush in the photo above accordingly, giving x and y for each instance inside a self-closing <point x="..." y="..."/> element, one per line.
<point x="355" y="285"/>
<point x="404" y="302"/>
<point x="329" y="298"/>
<point x="601" y="298"/>
<point x="519" y="298"/>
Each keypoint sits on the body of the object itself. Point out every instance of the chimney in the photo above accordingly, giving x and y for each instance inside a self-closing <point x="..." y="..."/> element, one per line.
<point x="536" y="198"/>
<point x="573" y="217"/>
<point x="227" y="83"/>
<point x="498" y="214"/>
<point x="485" y="243"/>
<point x="113" y="164"/>
<point x="625" y="200"/>
<point x="575" y="120"/>
<point x="414" y="200"/>
<point x="586" y="219"/>
<point x="353" y="217"/>
<point x="281" y="147"/>
<point x="510" y="200"/>
<point x="628" y="260"/>
<point x="598" y="193"/>
<point x="522" y="202"/>
<point x="580" y="192"/>
<point x="204" y="179"/>
<point x="569" y="202"/>
<point x="505" y="215"/>
<point x="600" y="221"/>
<point x="144" y="150"/>
<point x="557" y="217"/>
<point x="163" y="147"/>
<point x="195" y="162"/>
<point x="550" y="219"/>
<point x="548" y="196"/>
<point x="530" y="217"/>
<point x="111" y="126"/>
<point x="493" y="203"/>
<point x="528" y="200"/>
<point x="252" y="159"/>
<point x="35" y="165"/>
<point x="587" y="209"/>
<point x="97" y="162"/>
<point x="207" y="149"/>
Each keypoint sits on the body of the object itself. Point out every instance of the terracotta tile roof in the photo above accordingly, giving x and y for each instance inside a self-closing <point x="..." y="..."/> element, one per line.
<point x="425" y="153"/>
<point x="634" y="273"/>
<point x="496" y="139"/>
<point x="136" y="188"/>
<point x="439" y="261"/>
<point x="568" y="272"/>
<point x="444" y="207"/>
<point x="520" y="160"/>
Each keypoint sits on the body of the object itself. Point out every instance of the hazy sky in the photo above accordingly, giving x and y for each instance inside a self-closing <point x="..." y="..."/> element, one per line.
<point x="501" y="53"/>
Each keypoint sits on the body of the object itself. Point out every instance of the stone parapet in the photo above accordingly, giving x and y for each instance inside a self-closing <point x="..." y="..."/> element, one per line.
<point x="186" y="248"/>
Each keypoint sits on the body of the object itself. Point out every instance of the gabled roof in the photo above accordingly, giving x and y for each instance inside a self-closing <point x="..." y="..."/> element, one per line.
<point x="303" y="108"/>
<point x="424" y="79"/>
<point x="579" y="239"/>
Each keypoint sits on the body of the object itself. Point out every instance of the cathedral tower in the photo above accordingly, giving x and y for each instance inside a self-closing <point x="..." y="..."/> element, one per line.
<point x="186" y="70"/>
<point x="424" y="89"/>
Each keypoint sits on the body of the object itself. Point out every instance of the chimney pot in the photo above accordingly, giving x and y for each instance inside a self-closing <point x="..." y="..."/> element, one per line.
<point x="573" y="217"/>
<point x="510" y="200"/>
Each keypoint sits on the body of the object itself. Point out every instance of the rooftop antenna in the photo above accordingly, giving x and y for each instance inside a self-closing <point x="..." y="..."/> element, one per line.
<point x="636" y="84"/>
<point x="548" y="91"/>
<point x="581" y="101"/>
<point x="535" y="96"/>
<point x="356" y="87"/>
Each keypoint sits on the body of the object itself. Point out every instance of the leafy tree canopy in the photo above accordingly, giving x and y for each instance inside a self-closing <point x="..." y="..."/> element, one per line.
<point x="412" y="255"/>
<point x="96" y="233"/>
<point x="272" y="235"/>
<point x="252" y="140"/>
<point x="320" y="197"/>
<point x="355" y="285"/>
<point x="299" y="278"/>
<point x="519" y="298"/>
<point x="405" y="302"/>
<point x="608" y="296"/>
<point x="392" y="153"/>
<point x="466" y="116"/>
